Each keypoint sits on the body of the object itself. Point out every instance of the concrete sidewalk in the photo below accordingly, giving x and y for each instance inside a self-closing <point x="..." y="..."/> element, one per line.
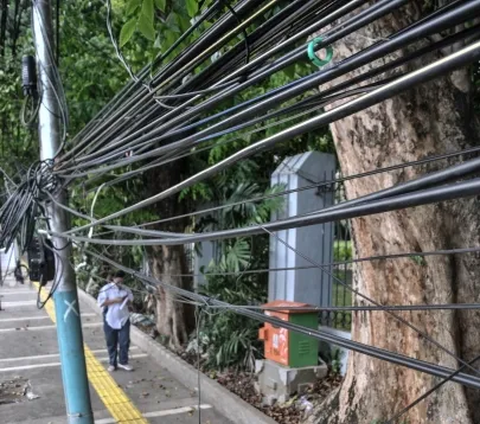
<point x="29" y="367"/>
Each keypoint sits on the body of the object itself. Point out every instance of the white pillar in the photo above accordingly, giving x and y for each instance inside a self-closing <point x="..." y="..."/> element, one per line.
<point x="312" y="285"/>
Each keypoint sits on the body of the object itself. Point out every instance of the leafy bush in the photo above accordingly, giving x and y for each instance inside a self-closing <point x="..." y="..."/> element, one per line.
<point x="227" y="339"/>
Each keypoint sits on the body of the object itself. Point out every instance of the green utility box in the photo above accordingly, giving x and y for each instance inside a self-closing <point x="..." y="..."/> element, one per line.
<point x="286" y="347"/>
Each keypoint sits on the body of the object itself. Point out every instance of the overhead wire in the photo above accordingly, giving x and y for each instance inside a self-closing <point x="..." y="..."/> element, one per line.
<point x="314" y="186"/>
<point x="321" y="309"/>
<point x="89" y="130"/>
<point x="101" y="141"/>
<point x="339" y="13"/>
<point x="245" y="6"/>
<point x="418" y="198"/>
<point x="324" y="269"/>
<point x="369" y="299"/>
<point x="197" y="135"/>
<point x="426" y="181"/>
<point x="378" y="353"/>
<point x="430" y="391"/>
<point x="390" y="256"/>
<point x="398" y="62"/>
<point x="139" y="137"/>
<point x="453" y="61"/>
<point x="355" y="308"/>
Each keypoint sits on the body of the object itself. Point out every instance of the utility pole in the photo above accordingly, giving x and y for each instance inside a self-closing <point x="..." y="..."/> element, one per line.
<point x="67" y="311"/>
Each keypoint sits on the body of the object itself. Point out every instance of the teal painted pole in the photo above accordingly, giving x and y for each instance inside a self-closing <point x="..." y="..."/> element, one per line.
<point x="69" y="327"/>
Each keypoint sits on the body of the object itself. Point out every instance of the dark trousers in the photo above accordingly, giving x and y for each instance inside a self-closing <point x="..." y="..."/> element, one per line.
<point x="117" y="339"/>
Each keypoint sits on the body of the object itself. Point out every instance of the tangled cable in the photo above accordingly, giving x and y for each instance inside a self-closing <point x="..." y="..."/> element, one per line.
<point x="21" y="211"/>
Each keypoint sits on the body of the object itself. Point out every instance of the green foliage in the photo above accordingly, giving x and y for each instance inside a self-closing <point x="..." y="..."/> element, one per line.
<point x="147" y="10"/>
<point x="127" y="31"/>
<point x="236" y="256"/>
<point x="227" y="339"/>
<point x="342" y="250"/>
<point x="145" y="25"/>
<point x="192" y="7"/>
<point x="145" y="20"/>
<point x="419" y="260"/>
<point x="336" y="363"/>
<point x="132" y="7"/>
<point x="89" y="82"/>
<point x="17" y="143"/>
<point x="109" y="200"/>
<point x="157" y="21"/>
<point x="161" y="4"/>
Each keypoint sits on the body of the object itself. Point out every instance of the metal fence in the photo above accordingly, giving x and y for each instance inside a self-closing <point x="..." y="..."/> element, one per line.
<point x="340" y="268"/>
<point x="336" y="261"/>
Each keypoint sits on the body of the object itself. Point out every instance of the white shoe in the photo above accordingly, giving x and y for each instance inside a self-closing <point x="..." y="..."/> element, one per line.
<point x="125" y="367"/>
<point x="111" y="368"/>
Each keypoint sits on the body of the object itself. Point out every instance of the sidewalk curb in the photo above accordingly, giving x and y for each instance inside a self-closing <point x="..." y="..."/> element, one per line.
<point x="224" y="401"/>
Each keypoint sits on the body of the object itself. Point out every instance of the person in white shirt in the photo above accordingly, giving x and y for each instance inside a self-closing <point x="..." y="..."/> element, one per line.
<point x="114" y="298"/>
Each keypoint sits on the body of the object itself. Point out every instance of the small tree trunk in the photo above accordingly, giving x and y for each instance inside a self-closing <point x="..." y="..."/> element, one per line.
<point x="432" y="119"/>
<point x="169" y="264"/>
<point x="173" y="317"/>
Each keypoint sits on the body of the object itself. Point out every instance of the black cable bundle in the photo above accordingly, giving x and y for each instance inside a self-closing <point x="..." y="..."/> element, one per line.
<point x="26" y="204"/>
<point x="164" y="114"/>
<point x="20" y="218"/>
<point x="17" y="216"/>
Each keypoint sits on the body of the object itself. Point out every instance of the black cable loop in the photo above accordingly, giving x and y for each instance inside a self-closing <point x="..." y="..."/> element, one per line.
<point x="245" y="34"/>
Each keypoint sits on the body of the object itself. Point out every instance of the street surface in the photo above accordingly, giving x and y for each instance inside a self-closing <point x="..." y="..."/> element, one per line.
<point x="30" y="377"/>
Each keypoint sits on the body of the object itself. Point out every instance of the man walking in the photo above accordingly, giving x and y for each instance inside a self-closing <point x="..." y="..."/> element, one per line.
<point x="114" y="299"/>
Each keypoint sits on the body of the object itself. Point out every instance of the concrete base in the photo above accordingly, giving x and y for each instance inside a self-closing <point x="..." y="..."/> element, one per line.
<point x="277" y="383"/>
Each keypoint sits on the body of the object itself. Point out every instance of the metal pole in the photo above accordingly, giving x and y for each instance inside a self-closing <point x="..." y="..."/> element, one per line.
<point x="67" y="311"/>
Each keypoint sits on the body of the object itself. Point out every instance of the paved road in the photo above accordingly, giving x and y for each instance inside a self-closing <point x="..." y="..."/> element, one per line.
<point x="29" y="359"/>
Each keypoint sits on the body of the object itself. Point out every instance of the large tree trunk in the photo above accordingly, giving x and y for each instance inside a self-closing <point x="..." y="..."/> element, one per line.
<point x="432" y="119"/>
<point x="169" y="264"/>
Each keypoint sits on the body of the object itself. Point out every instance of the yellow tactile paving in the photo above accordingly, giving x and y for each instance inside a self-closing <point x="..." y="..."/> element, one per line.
<point x="112" y="396"/>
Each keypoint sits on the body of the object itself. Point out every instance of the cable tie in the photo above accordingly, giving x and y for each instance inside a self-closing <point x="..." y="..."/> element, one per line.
<point x="314" y="58"/>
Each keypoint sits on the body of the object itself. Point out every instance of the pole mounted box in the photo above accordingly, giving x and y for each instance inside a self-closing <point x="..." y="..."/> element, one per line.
<point x="41" y="261"/>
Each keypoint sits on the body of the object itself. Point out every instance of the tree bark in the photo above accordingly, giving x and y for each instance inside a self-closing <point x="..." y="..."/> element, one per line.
<point x="432" y="119"/>
<point x="173" y="317"/>
<point x="169" y="263"/>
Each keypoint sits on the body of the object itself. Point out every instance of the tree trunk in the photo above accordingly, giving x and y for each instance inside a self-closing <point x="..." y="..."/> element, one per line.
<point x="173" y="317"/>
<point x="432" y="119"/>
<point x="15" y="32"/>
<point x="169" y="264"/>
<point x="3" y="26"/>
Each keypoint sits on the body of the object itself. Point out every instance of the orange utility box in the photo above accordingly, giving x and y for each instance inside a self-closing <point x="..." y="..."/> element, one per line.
<point x="288" y="347"/>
